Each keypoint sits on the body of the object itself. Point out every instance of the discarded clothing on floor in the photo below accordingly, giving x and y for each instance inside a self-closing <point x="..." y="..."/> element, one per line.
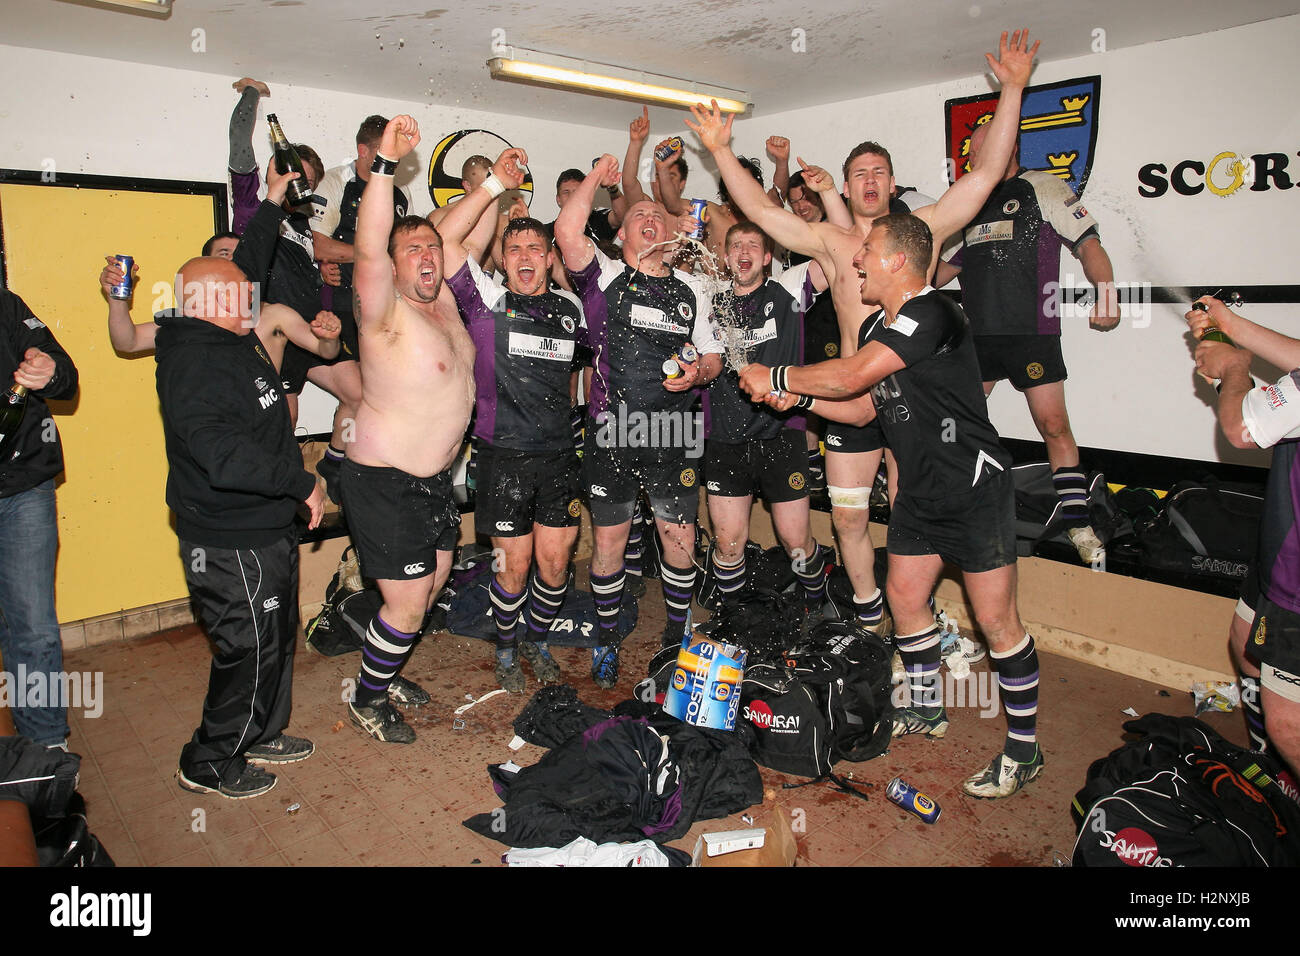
<point x="582" y="852"/>
<point x="46" y="781"/>
<point x="603" y="778"/>
<point x="575" y="625"/>
<point x="614" y="782"/>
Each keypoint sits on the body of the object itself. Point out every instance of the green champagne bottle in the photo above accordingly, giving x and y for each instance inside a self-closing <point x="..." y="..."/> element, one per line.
<point x="287" y="160"/>
<point x="13" y="404"/>
<point x="1212" y="333"/>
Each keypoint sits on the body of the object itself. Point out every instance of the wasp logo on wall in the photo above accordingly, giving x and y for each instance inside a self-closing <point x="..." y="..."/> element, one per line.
<point x="449" y="156"/>
<point x="1058" y="128"/>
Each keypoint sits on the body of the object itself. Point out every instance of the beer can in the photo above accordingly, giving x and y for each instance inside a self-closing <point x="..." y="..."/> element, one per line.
<point x="668" y="149"/>
<point x="124" y="288"/>
<point x="912" y="800"/>
<point x="688" y="353"/>
<point x="697" y="210"/>
<point x="672" y="369"/>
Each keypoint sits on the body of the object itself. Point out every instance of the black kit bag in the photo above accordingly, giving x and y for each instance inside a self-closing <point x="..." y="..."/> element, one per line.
<point x="830" y="701"/>
<point x="1038" y="508"/>
<point x="1181" y="795"/>
<point x="1207" y="528"/>
<point x="328" y="633"/>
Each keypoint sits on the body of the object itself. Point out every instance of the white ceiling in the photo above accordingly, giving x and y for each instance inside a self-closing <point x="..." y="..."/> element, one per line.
<point x="419" y="51"/>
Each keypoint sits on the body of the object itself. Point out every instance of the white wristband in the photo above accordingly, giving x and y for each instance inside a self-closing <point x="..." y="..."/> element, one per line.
<point x="494" y="186"/>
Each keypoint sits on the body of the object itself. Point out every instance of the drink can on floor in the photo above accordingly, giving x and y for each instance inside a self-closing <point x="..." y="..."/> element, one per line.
<point x="912" y="800"/>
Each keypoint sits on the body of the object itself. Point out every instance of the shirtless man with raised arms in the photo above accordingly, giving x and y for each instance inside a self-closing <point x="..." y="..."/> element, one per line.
<point x="418" y="390"/>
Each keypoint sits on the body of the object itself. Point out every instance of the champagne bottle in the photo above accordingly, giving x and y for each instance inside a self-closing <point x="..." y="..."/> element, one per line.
<point x="287" y="160"/>
<point x="1212" y="333"/>
<point x="13" y="403"/>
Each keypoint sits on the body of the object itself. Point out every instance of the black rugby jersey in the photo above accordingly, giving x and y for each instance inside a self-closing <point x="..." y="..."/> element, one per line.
<point x="933" y="412"/>
<point x="1010" y="255"/>
<point x="524" y="355"/>
<point x="334" y="214"/>
<point x="636" y="321"/>
<point x="767" y="325"/>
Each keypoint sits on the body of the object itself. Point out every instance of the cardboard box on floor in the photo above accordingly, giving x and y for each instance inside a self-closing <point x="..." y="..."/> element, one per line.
<point x="778" y="848"/>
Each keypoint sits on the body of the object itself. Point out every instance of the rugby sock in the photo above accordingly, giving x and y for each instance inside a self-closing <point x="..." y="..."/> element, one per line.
<point x="382" y="655"/>
<point x="334" y="454"/>
<point x="635" y="546"/>
<point x="242" y="159"/>
<point x="1254" y="713"/>
<point x="505" y="614"/>
<point x="1072" y="488"/>
<point x="811" y="573"/>
<point x="920" y="653"/>
<point x="543" y="605"/>
<point x="1018" y="680"/>
<point x="678" y="583"/>
<point x="729" y="578"/>
<point x="870" y="610"/>
<point x="607" y="590"/>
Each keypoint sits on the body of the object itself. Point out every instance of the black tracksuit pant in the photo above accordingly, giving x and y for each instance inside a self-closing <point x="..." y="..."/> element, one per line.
<point x="247" y="601"/>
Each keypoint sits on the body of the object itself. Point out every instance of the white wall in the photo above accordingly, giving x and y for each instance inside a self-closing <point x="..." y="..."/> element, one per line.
<point x="110" y="118"/>
<point x="1132" y="389"/>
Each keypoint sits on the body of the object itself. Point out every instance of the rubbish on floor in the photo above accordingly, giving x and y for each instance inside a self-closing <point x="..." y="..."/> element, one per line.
<point x="778" y="846"/>
<point x="516" y="742"/>
<point x="912" y="800"/>
<point x="1221" y="695"/>
<point x="293" y="808"/>
<point x="458" y="722"/>
<point x="705" y="686"/>
<point x="1130" y="711"/>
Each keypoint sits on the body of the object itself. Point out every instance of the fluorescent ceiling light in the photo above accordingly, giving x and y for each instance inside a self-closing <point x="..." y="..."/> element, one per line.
<point x="162" y="7"/>
<point x="568" y="73"/>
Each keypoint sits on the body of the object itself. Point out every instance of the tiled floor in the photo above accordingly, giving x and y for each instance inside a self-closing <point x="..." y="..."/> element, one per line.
<point x="358" y="801"/>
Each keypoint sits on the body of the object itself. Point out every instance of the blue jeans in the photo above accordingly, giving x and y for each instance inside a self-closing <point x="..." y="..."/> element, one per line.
<point x="29" y="628"/>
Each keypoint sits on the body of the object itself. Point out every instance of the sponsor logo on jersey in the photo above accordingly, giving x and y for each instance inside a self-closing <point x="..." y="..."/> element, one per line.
<point x="767" y="309"/>
<point x="599" y="491"/>
<point x="269" y="399"/>
<point x="1080" y="213"/>
<point x="1011" y="207"/>
<point x="832" y="349"/>
<point x="259" y="384"/>
<point x="685" y="311"/>
<point x="1275" y="396"/>
<point x="1261" y="625"/>
<point x="644" y="317"/>
<point x="297" y="238"/>
<point x="541" y="347"/>
<point x="417" y="568"/>
<point x="271" y="603"/>
<point x="713" y="486"/>
<point x="1034" y="370"/>
<point x="688" y="477"/>
<point x="904" y="326"/>
<point x="575" y="508"/>
<point x="1001" y="231"/>
<point x="566" y="321"/>
<point x="797" y="481"/>
<point x="505" y="526"/>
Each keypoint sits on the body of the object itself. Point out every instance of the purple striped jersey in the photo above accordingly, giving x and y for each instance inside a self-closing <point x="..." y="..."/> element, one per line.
<point x="524" y="357"/>
<point x="1010" y="256"/>
<point x="636" y="321"/>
